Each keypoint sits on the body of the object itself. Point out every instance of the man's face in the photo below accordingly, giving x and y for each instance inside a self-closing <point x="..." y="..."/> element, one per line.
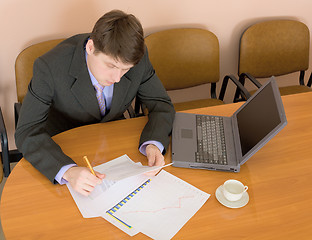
<point x="104" y="68"/>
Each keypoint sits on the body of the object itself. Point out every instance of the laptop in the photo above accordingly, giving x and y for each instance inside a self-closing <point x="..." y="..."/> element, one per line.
<point x="225" y="143"/>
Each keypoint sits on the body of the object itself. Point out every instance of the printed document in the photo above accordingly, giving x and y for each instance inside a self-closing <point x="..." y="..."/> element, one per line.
<point x="135" y="202"/>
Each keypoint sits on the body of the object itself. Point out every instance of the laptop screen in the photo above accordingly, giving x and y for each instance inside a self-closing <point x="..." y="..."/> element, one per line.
<point x="258" y="119"/>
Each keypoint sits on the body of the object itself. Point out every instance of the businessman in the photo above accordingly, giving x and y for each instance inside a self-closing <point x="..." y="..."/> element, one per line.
<point x="86" y="79"/>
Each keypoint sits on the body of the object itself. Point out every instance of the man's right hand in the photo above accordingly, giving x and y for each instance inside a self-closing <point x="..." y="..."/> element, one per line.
<point x="82" y="180"/>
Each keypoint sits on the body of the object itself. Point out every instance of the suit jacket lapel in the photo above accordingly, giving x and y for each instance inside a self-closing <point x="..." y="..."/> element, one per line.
<point x="82" y="87"/>
<point x="84" y="91"/>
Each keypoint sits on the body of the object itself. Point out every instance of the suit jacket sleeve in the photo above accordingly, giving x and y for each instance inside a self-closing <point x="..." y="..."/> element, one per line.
<point x="32" y="138"/>
<point x="161" y="112"/>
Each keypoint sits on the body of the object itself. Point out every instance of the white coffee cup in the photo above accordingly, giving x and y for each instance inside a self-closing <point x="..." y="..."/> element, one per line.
<point x="233" y="190"/>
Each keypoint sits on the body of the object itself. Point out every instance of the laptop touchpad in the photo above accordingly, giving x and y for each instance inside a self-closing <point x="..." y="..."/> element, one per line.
<point x="186" y="133"/>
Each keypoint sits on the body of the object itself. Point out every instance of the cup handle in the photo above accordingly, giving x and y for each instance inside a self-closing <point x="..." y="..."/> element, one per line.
<point x="245" y="188"/>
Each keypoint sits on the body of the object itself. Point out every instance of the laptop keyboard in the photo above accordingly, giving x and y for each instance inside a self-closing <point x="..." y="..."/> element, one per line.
<point x="210" y="140"/>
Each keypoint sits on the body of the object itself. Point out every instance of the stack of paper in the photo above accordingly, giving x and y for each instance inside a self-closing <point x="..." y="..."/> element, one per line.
<point x="135" y="202"/>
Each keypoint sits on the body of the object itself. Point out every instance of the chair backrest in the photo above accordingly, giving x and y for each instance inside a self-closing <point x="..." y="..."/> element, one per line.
<point x="184" y="57"/>
<point x="274" y="47"/>
<point x="24" y="65"/>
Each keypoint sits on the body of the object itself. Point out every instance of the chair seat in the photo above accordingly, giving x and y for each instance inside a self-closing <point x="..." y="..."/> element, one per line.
<point x="294" y="89"/>
<point x="291" y="90"/>
<point x="197" y="104"/>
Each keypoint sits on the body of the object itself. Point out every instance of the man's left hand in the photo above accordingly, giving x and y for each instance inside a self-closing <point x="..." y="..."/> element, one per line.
<point x="154" y="157"/>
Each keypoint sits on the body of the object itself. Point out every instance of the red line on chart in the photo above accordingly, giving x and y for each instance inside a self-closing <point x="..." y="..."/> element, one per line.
<point x="154" y="211"/>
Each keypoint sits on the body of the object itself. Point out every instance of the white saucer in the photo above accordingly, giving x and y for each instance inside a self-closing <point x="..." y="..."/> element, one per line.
<point x="237" y="204"/>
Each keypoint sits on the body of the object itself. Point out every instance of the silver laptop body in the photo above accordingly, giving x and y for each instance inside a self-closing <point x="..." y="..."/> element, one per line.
<point x="258" y="120"/>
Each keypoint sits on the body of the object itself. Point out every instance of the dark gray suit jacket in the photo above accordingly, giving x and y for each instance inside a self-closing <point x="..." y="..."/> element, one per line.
<point x="61" y="96"/>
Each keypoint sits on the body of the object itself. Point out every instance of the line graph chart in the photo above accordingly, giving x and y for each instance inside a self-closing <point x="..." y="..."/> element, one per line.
<point x="178" y="206"/>
<point x="166" y="202"/>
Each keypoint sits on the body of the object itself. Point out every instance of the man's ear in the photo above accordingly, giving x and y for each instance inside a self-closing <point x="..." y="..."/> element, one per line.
<point x="90" y="46"/>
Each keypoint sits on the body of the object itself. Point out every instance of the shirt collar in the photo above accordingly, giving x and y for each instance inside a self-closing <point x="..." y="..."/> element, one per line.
<point x="93" y="80"/>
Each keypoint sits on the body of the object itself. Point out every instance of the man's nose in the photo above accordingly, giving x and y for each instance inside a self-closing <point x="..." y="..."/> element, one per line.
<point x="118" y="75"/>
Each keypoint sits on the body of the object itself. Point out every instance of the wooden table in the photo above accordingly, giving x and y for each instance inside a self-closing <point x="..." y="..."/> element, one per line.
<point x="279" y="179"/>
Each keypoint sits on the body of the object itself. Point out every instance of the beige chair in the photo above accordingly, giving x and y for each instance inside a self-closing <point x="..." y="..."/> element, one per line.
<point x="275" y="48"/>
<point x="184" y="58"/>
<point x="24" y="68"/>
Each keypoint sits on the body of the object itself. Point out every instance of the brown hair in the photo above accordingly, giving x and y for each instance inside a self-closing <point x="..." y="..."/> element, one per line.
<point x="120" y="36"/>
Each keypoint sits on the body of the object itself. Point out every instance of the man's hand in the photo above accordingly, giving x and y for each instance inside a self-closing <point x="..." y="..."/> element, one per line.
<point x="82" y="180"/>
<point x="154" y="157"/>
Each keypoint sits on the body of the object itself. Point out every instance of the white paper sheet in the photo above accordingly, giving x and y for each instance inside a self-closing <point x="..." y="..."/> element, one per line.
<point x="166" y="203"/>
<point x="149" y="203"/>
<point x="99" y="189"/>
<point x="123" y="167"/>
<point x="106" y="184"/>
<point x="95" y="207"/>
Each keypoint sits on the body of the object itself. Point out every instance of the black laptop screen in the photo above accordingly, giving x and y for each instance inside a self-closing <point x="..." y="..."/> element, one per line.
<point x="257" y="119"/>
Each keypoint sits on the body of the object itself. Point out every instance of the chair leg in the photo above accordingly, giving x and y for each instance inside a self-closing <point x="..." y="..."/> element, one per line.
<point x="242" y="91"/>
<point x="310" y="81"/>
<point x="237" y="96"/>
<point x="17" y="109"/>
<point x="301" y="78"/>
<point x="5" y="158"/>
<point x="4" y="147"/>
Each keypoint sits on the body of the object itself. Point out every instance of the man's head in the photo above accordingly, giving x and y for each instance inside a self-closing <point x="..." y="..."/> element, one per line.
<point x="120" y="36"/>
<point x="116" y="44"/>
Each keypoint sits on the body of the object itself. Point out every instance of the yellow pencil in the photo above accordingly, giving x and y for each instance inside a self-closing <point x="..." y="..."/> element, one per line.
<point x="89" y="165"/>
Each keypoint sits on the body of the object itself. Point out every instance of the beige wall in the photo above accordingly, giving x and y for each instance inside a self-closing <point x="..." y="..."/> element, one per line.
<point x="23" y="23"/>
